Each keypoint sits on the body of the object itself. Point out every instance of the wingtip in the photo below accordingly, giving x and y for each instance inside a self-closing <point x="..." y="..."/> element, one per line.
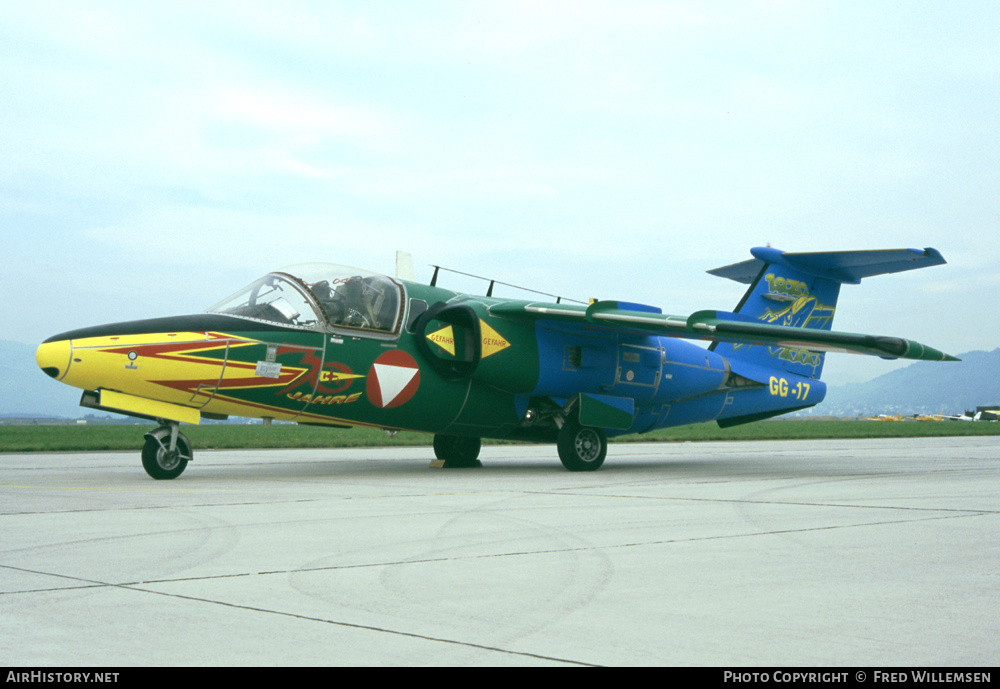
<point x="934" y="255"/>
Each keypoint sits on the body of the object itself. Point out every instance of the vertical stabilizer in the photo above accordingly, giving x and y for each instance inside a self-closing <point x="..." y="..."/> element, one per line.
<point x="800" y="290"/>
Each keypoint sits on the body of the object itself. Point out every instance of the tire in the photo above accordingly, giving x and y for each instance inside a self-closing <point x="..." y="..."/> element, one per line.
<point x="582" y="448"/>
<point x="159" y="462"/>
<point x="458" y="451"/>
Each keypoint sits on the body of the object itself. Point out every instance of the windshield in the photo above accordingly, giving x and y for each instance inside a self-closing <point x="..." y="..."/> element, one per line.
<point x="320" y="296"/>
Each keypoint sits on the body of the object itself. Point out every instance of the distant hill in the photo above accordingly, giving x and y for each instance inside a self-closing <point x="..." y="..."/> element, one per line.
<point x="920" y="388"/>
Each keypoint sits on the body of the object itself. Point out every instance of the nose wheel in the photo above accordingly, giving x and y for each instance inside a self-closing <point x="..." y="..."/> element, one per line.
<point x="166" y="452"/>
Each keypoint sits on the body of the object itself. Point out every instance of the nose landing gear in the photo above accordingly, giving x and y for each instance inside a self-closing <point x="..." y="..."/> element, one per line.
<point x="166" y="452"/>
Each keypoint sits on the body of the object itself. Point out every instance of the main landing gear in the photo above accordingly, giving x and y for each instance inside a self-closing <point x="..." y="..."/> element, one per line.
<point x="166" y="452"/>
<point x="581" y="448"/>
<point x="458" y="451"/>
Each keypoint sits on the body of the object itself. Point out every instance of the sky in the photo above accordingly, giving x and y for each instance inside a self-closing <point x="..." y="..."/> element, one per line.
<point x="157" y="157"/>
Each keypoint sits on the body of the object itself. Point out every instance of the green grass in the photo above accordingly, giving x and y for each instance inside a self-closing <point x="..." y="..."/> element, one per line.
<point x="67" y="438"/>
<point x="114" y="437"/>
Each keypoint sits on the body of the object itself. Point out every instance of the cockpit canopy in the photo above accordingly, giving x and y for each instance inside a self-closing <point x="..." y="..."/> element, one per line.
<point x="320" y="296"/>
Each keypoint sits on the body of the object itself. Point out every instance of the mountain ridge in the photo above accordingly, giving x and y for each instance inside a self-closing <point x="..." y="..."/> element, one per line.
<point x="923" y="387"/>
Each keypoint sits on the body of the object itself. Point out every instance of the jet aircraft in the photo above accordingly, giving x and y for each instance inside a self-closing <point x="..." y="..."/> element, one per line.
<point x="328" y="344"/>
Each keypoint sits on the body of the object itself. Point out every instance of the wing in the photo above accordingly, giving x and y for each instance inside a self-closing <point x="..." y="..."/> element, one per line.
<point x="718" y="326"/>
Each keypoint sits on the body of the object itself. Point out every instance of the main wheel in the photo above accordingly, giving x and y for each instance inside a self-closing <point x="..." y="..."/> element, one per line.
<point x="458" y="451"/>
<point x="157" y="459"/>
<point x="581" y="448"/>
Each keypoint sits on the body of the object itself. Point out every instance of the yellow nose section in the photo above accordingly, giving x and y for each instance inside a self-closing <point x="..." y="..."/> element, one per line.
<point x="54" y="358"/>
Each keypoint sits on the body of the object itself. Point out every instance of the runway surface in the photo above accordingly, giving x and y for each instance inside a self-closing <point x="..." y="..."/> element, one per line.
<point x="872" y="552"/>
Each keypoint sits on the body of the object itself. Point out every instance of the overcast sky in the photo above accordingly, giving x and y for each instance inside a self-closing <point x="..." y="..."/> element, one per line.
<point x="156" y="157"/>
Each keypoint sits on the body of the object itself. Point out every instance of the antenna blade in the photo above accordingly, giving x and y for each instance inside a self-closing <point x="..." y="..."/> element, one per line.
<point x="404" y="267"/>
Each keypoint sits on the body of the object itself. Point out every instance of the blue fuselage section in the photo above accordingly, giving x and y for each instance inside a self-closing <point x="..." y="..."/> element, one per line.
<point x="670" y="382"/>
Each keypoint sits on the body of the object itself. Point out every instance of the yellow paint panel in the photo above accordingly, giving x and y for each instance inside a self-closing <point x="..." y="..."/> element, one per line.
<point x="141" y="339"/>
<point x="148" y="407"/>
<point x="147" y="375"/>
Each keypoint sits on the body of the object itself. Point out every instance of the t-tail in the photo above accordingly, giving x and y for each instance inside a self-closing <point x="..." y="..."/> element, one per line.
<point x="800" y="290"/>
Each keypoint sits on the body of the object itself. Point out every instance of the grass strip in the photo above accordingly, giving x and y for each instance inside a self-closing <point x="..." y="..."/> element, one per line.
<point x="92" y="437"/>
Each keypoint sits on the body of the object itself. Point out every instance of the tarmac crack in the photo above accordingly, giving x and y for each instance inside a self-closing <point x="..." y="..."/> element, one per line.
<point x="966" y="512"/>
<point x="372" y="628"/>
<point x="140" y="588"/>
<point x="90" y="583"/>
<point x="144" y="587"/>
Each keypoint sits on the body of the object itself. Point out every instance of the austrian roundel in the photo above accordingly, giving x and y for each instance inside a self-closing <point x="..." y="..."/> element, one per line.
<point x="393" y="379"/>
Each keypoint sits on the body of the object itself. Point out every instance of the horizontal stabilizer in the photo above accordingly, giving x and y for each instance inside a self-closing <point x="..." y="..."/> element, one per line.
<point x="839" y="266"/>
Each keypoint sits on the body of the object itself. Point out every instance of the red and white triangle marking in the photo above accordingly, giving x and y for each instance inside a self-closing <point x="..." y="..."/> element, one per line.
<point x="393" y="379"/>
